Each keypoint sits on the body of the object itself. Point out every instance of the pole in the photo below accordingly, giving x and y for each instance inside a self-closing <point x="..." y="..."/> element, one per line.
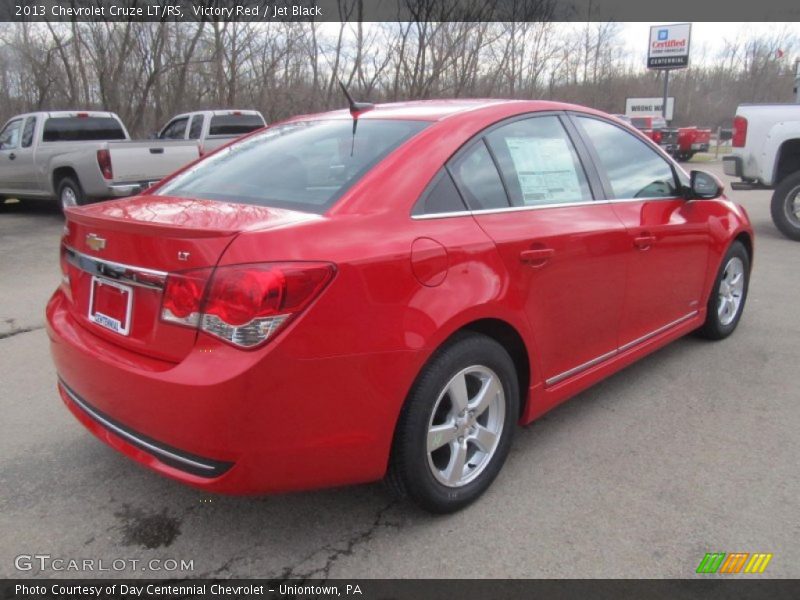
<point x="797" y="80"/>
<point x="666" y="93"/>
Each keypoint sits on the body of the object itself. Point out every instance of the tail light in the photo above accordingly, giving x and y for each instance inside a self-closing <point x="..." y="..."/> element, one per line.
<point x="657" y="137"/>
<point x="104" y="162"/>
<point x="65" y="281"/>
<point x="244" y="305"/>
<point x="739" y="132"/>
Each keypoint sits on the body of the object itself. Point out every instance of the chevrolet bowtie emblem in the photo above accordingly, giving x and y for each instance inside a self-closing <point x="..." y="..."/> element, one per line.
<point x="95" y="242"/>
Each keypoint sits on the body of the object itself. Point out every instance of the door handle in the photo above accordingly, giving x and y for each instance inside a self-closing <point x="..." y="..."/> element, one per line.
<point x="156" y="151"/>
<point x="536" y="257"/>
<point x="12" y="156"/>
<point x="643" y="242"/>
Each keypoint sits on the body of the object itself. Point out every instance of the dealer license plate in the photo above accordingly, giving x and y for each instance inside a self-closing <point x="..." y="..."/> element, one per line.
<point x="110" y="305"/>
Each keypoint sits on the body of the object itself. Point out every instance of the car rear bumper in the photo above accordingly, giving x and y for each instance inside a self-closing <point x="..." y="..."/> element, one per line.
<point x="230" y="421"/>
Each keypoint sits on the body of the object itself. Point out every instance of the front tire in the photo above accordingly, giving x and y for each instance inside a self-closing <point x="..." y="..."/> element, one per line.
<point x="455" y="430"/>
<point x="70" y="193"/>
<point x="728" y="296"/>
<point x="785" y="207"/>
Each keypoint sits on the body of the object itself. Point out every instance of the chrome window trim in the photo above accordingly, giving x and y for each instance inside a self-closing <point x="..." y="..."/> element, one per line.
<point x="489" y="211"/>
<point x="603" y="357"/>
<point x="116" y="271"/>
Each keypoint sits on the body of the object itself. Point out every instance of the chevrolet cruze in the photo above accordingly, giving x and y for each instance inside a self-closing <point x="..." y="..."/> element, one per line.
<point x="385" y="292"/>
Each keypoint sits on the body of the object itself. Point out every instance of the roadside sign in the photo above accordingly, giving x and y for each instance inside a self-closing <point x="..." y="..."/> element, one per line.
<point x="649" y="107"/>
<point x="669" y="46"/>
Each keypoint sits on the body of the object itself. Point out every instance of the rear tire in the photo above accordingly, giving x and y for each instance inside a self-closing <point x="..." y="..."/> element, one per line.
<point x="456" y="427"/>
<point x="785" y="206"/>
<point x="70" y="193"/>
<point x="728" y="296"/>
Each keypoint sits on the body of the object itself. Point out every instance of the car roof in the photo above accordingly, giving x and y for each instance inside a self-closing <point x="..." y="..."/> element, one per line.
<point x="437" y="110"/>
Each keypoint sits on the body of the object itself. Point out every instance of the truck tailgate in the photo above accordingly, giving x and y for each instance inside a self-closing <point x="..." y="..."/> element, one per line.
<point x="149" y="161"/>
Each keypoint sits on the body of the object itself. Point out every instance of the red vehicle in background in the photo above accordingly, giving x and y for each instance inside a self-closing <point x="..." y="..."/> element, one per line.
<point x="692" y="140"/>
<point x="657" y="130"/>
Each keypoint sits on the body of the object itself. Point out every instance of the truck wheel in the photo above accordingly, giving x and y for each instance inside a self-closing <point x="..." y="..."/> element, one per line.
<point x="786" y="206"/>
<point x="70" y="193"/>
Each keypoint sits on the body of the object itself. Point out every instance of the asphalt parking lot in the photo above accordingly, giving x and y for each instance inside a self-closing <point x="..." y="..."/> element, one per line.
<point x="693" y="450"/>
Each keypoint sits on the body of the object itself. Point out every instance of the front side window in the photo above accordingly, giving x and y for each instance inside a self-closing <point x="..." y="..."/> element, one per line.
<point x="539" y="162"/>
<point x="27" y="132"/>
<point x="301" y="166"/>
<point x="633" y="169"/>
<point x="175" y="130"/>
<point x="9" y="137"/>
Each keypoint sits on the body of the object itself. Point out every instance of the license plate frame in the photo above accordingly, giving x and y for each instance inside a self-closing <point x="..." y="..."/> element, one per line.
<point x="112" y="323"/>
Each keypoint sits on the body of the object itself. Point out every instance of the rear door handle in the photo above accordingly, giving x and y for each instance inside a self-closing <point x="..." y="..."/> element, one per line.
<point x="537" y="257"/>
<point x="156" y="151"/>
<point x="643" y="242"/>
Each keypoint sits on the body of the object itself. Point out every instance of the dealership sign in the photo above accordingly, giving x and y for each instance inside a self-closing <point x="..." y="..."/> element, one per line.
<point x="648" y="107"/>
<point x="669" y="46"/>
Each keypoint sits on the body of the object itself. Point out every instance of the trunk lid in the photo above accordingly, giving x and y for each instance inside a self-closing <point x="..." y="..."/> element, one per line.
<point x="126" y="248"/>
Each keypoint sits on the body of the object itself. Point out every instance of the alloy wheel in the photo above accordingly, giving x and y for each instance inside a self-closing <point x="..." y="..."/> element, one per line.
<point x="731" y="291"/>
<point x="465" y="426"/>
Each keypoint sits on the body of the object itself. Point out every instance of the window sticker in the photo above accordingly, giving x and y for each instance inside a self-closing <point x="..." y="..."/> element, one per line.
<point x="546" y="170"/>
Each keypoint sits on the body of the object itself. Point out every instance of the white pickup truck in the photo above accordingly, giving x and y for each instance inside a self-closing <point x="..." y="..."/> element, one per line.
<point x="211" y="128"/>
<point x="766" y="155"/>
<point x="79" y="156"/>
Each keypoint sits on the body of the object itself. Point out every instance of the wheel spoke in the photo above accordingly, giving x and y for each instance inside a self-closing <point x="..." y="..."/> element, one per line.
<point x="458" y="393"/>
<point x="485" y="439"/>
<point x="488" y="393"/>
<point x="458" y="458"/>
<point x="439" y="435"/>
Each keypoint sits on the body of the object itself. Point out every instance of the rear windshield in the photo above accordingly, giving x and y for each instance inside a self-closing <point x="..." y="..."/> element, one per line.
<point x="301" y="166"/>
<point x="81" y="129"/>
<point x="640" y="122"/>
<point x="234" y="124"/>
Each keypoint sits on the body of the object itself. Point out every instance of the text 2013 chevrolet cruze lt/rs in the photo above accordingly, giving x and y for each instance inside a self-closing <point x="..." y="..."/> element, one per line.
<point x="322" y="304"/>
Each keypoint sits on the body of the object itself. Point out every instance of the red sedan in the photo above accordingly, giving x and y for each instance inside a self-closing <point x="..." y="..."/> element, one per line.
<point x="345" y="297"/>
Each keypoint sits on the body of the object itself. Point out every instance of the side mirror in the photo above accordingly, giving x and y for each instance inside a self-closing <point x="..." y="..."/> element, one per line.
<point x="704" y="186"/>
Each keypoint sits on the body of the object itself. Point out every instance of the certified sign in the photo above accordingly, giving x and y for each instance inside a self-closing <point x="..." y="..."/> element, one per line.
<point x="669" y="46"/>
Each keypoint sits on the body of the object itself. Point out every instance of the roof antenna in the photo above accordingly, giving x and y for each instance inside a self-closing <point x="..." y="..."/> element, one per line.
<point x="356" y="108"/>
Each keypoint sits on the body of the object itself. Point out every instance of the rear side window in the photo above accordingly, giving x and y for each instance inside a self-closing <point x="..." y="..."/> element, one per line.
<point x="196" y="127"/>
<point x="302" y="166"/>
<point x="234" y="124"/>
<point x="441" y="197"/>
<point x="27" y="132"/>
<point x="81" y="129"/>
<point x="633" y="169"/>
<point x="478" y="180"/>
<point x="539" y="162"/>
